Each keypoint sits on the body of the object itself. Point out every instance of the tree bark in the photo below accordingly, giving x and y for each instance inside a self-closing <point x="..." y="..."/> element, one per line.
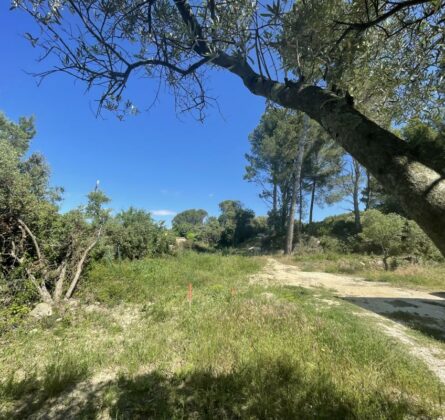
<point x="79" y="267"/>
<point x="311" y="209"/>
<point x="60" y="282"/>
<point x="274" y="198"/>
<point x="356" y="176"/>
<point x="300" y="209"/>
<point x="368" y="191"/>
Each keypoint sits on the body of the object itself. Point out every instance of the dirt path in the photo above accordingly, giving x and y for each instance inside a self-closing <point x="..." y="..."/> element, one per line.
<point x="395" y="309"/>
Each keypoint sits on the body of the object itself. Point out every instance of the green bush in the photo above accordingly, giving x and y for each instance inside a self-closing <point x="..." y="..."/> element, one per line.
<point x="418" y="244"/>
<point x="133" y="234"/>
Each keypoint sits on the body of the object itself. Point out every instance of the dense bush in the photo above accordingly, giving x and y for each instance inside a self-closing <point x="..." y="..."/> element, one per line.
<point x="42" y="251"/>
<point x="133" y="234"/>
<point x="341" y="226"/>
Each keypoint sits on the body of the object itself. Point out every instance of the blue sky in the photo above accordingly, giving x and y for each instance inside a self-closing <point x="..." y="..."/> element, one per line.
<point x="156" y="160"/>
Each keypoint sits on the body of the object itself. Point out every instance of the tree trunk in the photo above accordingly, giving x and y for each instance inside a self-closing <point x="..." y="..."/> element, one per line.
<point x="311" y="209"/>
<point x="295" y="187"/>
<point x="58" y="290"/>
<point x="385" y="262"/>
<point x="300" y="208"/>
<point x="368" y="191"/>
<point x="79" y="267"/>
<point x="274" y="198"/>
<point x="356" y="177"/>
<point x="284" y="210"/>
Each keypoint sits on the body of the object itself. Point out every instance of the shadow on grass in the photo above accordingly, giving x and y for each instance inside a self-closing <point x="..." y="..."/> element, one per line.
<point x="424" y="315"/>
<point x="270" y="389"/>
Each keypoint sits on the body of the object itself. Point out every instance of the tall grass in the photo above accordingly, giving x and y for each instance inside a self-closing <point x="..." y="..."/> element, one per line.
<point x="236" y="351"/>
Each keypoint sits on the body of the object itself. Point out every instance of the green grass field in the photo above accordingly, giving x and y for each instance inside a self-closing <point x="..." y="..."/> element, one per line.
<point x="135" y="347"/>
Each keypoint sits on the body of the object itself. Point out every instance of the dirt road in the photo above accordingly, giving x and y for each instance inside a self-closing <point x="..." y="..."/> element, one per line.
<point x="396" y="310"/>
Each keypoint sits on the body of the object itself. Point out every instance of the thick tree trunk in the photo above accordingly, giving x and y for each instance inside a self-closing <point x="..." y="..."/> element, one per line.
<point x="356" y="177"/>
<point x="295" y="188"/>
<point x="311" y="209"/>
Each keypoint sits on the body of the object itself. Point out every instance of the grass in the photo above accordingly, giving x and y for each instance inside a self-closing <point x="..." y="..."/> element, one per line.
<point x="430" y="275"/>
<point x="136" y="348"/>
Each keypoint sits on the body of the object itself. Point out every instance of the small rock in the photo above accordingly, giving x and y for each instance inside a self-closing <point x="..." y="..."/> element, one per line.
<point x="42" y="310"/>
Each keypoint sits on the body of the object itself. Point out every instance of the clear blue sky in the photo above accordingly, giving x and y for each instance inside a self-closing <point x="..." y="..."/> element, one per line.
<point x="155" y="160"/>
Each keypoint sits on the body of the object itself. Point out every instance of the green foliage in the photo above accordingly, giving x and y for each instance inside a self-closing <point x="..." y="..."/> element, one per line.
<point x="418" y="244"/>
<point x="210" y="232"/>
<point x="188" y="220"/>
<point x="271" y="164"/>
<point x="236" y="223"/>
<point x="391" y="77"/>
<point x="133" y="234"/>
<point x="384" y="231"/>
<point x="427" y="142"/>
<point x="340" y="226"/>
<point x="17" y="135"/>
<point x="36" y="240"/>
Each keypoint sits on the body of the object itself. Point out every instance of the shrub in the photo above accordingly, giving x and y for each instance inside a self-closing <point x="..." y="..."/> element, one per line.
<point x="133" y="234"/>
<point x="417" y="243"/>
<point x="384" y="231"/>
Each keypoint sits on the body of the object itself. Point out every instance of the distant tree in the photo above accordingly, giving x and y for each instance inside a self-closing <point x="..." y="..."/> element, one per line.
<point x="188" y="221"/>
<point x="322" y="168"/>
<point x="278" y="147"/>
<point x="384" y="231"/>
<point x="348" y="186"/>
<point x="271" y="157"/>
<point x="296" y="183"/>
<point x="236" y="222"/>
<point x="210" y="232"/>
<point x="133" y="234"/>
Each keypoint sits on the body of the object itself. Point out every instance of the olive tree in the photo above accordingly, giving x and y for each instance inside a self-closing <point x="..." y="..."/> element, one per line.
<point x="105" y="43"/>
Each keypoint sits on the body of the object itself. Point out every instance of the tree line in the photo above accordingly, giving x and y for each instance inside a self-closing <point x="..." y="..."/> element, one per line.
<point x="297" y="165"/>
